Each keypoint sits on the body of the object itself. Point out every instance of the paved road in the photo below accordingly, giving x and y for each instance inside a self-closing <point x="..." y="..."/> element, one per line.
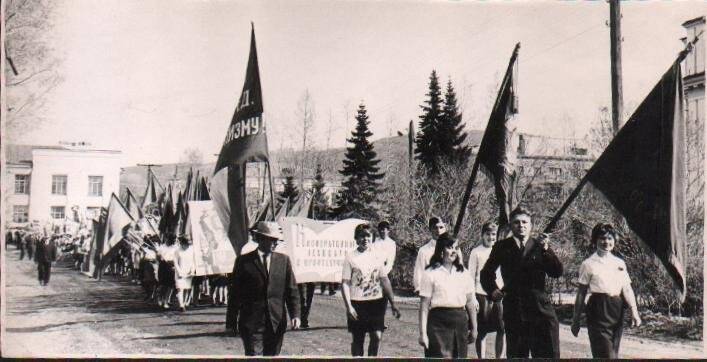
<point x="78" y="316"/>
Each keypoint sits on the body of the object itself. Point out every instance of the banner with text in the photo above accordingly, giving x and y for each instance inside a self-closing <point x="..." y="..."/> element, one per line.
<point x="317" y="248"/>
<point x="213" y="252"/>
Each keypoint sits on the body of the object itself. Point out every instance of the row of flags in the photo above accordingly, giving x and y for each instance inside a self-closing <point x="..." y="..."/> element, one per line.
<point x="157" y="214"/>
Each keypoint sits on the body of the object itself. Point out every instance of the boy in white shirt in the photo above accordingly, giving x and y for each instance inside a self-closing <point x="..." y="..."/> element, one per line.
<point x="490" y="318"/>
<point x="436" y="227"/>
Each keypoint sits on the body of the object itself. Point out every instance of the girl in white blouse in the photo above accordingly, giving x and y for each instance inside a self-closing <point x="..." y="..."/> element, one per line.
<point x="447" y="308"/>
<point x="364" y="285"/>
<point x="606" y="278"/>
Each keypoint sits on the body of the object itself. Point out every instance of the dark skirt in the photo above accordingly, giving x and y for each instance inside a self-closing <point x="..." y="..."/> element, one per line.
<point x="165" y="274"/>
<point x="448" y="331"/>
<point x="371" y="316"/>
<point x="490" y="317"/>
<point x="605" y="316"/>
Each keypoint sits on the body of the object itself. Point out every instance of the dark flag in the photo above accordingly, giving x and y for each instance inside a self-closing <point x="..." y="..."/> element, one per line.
<point x="245" y="142"/>
<point x="168" y="219"/>
<point x="497" y="152"/>
<point x="642" y="173"/>
<point x="203" y="190"/>
<point x="132" y="206"/>
<point x="151" y="192"/>
<point x="94" y="256"/>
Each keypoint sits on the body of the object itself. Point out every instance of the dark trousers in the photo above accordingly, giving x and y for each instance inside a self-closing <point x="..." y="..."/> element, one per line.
<point x="29" y="253"/>
<point x="306" y="293"/>
<point x="605" y="325"/>
<point x="22" y="252"/>
<point x="44" y="271"/>
<point x="262" y="341"/>
<point x="539" y="336"/>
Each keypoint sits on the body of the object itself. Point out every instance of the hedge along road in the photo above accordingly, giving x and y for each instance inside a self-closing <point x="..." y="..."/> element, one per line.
<point x="78" y="316"/>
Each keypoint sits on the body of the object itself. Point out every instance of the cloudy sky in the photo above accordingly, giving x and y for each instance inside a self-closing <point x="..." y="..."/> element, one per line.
<point x="152" y="78"/>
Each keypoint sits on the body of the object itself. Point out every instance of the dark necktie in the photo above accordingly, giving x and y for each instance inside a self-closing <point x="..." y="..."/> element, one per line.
<point x="265" y="265"/>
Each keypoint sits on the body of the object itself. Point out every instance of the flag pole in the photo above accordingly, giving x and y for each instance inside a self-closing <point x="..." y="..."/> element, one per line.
<point x="553" y="222"/>
<point x="467" y="195"/>
<point x="272" y="192"/>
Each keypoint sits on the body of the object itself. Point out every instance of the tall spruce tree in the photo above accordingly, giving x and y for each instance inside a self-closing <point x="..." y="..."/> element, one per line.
<point x="427" y="142"/>
<point x="452" y="130"/>
<point x="289" y="191"/>
<point x="361" y="186"/>
<point x="441" y="137"/>
<point x="320" y="209"/>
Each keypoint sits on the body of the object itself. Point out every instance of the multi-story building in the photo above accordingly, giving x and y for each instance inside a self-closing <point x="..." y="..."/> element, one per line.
<point x="693" y="70"/>
<point x="47" y="184"/>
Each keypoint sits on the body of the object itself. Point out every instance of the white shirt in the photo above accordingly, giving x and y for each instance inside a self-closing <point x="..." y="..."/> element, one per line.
<point x="606" y="274"/>
<point x="184" y="262"/>
<point x="267" y="261"/>
<point x="424" y="254"/>
<point x="477" y="259"/>
<point x="364" y="271"/>
<point x="446" y="288"/>
<point x="386" y="248"/>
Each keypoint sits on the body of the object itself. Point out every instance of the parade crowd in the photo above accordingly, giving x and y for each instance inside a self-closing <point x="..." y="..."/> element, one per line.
<point x="500" y="289"/>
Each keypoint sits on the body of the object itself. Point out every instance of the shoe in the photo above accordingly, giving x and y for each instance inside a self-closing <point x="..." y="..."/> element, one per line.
<point x="183" y="309"/>
<point x="305" y="325"/>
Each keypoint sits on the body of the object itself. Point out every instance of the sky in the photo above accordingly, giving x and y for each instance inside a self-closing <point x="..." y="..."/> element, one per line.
<point x="152" y="78"/>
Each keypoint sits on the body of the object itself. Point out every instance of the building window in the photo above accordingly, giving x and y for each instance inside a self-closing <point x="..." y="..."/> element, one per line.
<point x="555" y="171"/>
<point x="95" y="185"/>
<point x="93" y="212"/>
<point x="22" y="184"/>
<point x="59" y="185"/>
<point x="58" y="212"/>
<point x="20" y="213"/>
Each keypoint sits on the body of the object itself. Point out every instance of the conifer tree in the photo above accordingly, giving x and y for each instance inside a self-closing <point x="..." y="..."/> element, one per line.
<point x="441" y="137"/>
<point x="361" y="172"/>
<point x="320" y="209"/>
<point x="289" y="191"/>
<point x="427" y="145"/>
<point x="452" y="130"/>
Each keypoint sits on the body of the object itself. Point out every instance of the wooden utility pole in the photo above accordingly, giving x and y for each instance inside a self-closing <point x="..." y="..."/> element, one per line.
<point x="617" y="99"/>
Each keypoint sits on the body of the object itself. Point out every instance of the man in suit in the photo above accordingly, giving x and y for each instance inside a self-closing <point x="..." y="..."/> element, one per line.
<point x="528" y="315"/>
<point x="44" y="256"/>
<point x="263" y="284"/>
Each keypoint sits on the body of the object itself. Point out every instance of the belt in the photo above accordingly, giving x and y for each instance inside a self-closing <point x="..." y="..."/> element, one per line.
<point x="449" y="309"/>
<point x="605" y="295"/>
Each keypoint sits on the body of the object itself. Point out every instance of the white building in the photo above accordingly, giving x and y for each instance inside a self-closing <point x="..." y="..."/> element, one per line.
<point x="49" y="183"/>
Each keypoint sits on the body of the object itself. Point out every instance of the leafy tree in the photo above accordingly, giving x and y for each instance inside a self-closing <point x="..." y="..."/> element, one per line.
<point x="361" y="187"/>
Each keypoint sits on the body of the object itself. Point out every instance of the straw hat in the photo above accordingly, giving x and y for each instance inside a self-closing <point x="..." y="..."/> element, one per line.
<point x="268" y="229"/>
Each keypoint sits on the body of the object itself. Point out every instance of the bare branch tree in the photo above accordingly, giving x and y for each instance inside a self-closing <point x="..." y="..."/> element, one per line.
<point x="32" y="62"/>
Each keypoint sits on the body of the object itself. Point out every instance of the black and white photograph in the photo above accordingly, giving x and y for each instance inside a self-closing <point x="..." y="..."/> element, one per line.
<point x="381" y="179"/>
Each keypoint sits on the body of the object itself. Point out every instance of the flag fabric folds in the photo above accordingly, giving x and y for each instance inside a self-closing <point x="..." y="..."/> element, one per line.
<point x="132" y="206"/>
<point x="245" y="141"/>
<point x="643" y="174"/>
<point x="151" y="192"/>
<point x="118" y="222"/>
<point x="497" y="151"/>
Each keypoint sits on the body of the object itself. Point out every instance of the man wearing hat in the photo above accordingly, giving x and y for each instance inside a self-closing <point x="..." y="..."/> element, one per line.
<point x="263" y="284"/>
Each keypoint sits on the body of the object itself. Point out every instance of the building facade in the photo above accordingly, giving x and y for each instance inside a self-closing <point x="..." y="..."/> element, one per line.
<point x="48" y="184"/>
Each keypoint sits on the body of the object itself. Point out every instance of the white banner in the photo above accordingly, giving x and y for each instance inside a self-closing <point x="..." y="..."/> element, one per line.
<point x="317" y="248"/>
<point x="213" y="253"/>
